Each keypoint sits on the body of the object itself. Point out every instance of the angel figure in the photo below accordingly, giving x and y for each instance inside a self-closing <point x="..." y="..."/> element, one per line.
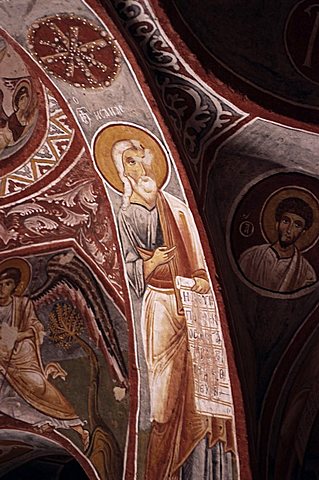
<point x="26" y="392"/>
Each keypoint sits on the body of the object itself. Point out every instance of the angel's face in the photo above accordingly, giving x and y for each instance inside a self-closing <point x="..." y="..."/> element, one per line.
<point x="7" y="286"/>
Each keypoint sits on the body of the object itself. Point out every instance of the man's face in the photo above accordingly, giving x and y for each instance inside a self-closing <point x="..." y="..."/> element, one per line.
<point x="138" y="169"/>
<point x="7" y="286"/>
<point x="290" y="228"/>
<point x="133" y="165"/>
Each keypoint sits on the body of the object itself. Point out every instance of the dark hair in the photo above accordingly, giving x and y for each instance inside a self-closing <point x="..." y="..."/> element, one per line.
<point x="22" y="91"/>
<point x="298" y="207"/>
<point x="12" y="273"/>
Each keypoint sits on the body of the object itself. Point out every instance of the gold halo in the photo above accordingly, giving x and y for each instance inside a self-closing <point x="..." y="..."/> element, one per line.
<point x="103" y="153"/>
<point x="268" y="220"/>
<point x="19" y="85"/>
<point x="25" y="270"/>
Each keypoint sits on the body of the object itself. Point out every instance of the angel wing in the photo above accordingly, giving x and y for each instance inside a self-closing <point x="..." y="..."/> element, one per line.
<point x="61" y="290"/>
<point x="107" y="342"/>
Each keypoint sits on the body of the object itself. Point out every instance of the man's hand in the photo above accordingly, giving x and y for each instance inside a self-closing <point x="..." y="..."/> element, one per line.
<point x="160" y="256"/>
<point x="201" y="285"/>
<point x="163" y="255"/>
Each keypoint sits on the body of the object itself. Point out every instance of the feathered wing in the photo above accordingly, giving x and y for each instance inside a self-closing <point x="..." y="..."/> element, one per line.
<point x="62" y="290"/>
<point x="73" y="296"/>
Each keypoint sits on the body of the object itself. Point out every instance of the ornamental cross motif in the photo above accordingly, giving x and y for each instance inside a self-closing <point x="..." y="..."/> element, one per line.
<point x="75" y="50"/>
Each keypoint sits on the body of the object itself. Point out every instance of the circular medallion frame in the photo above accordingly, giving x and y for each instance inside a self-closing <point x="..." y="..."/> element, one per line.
<point x="256" y="205"/>
<point x="75" y="50"/>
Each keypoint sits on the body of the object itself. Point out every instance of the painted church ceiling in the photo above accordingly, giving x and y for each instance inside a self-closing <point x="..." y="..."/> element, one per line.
<point x="260" y="44"/>
<point x="46" y="151"/>
<point x="198" y="115"/>
<point x="74" y="125"/>
<point x="104" y="279"/>
<point x="264" y="166"/>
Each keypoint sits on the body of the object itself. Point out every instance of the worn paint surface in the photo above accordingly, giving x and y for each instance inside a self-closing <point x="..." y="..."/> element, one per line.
<point x="127" y="371"/>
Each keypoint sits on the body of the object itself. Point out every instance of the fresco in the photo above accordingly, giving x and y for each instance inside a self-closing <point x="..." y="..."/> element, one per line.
<point x="108" y="311"/>
<point x="268" y="222"/>
<point x="18" y="101"/>
<point x="75" y="50"/>
<point x="302" y="56"/>
<point x="26" y="391"/>
<point x="286" y="220"/>
<point x="35" y="136"/>
<point x="282" y="65"/>
<point x="48" y="335"/>
<point x="191" y="408"/>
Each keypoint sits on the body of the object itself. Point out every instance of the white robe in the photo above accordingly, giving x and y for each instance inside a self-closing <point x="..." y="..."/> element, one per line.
<point x="22" y="367"/>
<point x="177" y="428"/>
<point x="263" y="267"/>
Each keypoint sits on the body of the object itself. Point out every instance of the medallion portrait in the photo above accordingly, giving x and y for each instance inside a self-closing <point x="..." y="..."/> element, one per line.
<point x="18" y="101"/>
<point x="274" y="243"/>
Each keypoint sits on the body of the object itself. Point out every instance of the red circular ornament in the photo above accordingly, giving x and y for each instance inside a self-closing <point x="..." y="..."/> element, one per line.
<point x="75" y="50"/>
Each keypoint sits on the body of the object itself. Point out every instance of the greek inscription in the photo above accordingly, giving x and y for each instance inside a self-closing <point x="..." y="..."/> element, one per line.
<point x="86" y="116"/>
<point x="103" y="113"/>
<point x="246" y="228"/>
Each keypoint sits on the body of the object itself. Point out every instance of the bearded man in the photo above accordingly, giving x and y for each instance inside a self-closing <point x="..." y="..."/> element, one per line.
<point x="280" y="266"/>
<point x="160" y="241"/>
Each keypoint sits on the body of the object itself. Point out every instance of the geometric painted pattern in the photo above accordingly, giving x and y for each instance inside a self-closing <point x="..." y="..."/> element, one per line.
<point x="198" y="115"/>
<point x="75" y="50"/>
<point x="52" y="150"/>
<point x="74" y="208"/>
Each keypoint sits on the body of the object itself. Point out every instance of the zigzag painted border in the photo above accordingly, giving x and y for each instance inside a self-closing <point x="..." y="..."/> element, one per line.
<point x="56" y="144"/>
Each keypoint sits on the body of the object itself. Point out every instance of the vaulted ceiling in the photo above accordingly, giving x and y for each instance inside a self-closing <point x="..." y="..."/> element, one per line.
<point x="261" y="61"/>
<point x="231" y="89"/>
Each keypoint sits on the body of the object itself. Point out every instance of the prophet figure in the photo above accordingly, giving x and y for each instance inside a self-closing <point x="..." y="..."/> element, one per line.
<point x="160" y="241"/>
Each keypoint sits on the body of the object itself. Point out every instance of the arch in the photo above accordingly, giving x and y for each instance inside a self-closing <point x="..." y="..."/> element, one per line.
<point x="20" y="448"/>
<point x="290" y="408"/>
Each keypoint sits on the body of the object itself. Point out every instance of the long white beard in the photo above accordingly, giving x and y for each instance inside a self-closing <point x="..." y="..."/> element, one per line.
<point x="146" y="188"/>
<point x="128" y="190"/>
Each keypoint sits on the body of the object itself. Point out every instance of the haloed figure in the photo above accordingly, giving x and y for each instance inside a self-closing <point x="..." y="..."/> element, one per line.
<point x="280" y="266"/>
<point x="26" y="394"/>
<point x="19" y="119"/>
<point x="160" y="241"/>
<point x="15" y="126"/>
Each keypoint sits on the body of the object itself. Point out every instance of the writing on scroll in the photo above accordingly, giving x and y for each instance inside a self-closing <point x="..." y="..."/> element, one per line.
<point x="205" y="338"/>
